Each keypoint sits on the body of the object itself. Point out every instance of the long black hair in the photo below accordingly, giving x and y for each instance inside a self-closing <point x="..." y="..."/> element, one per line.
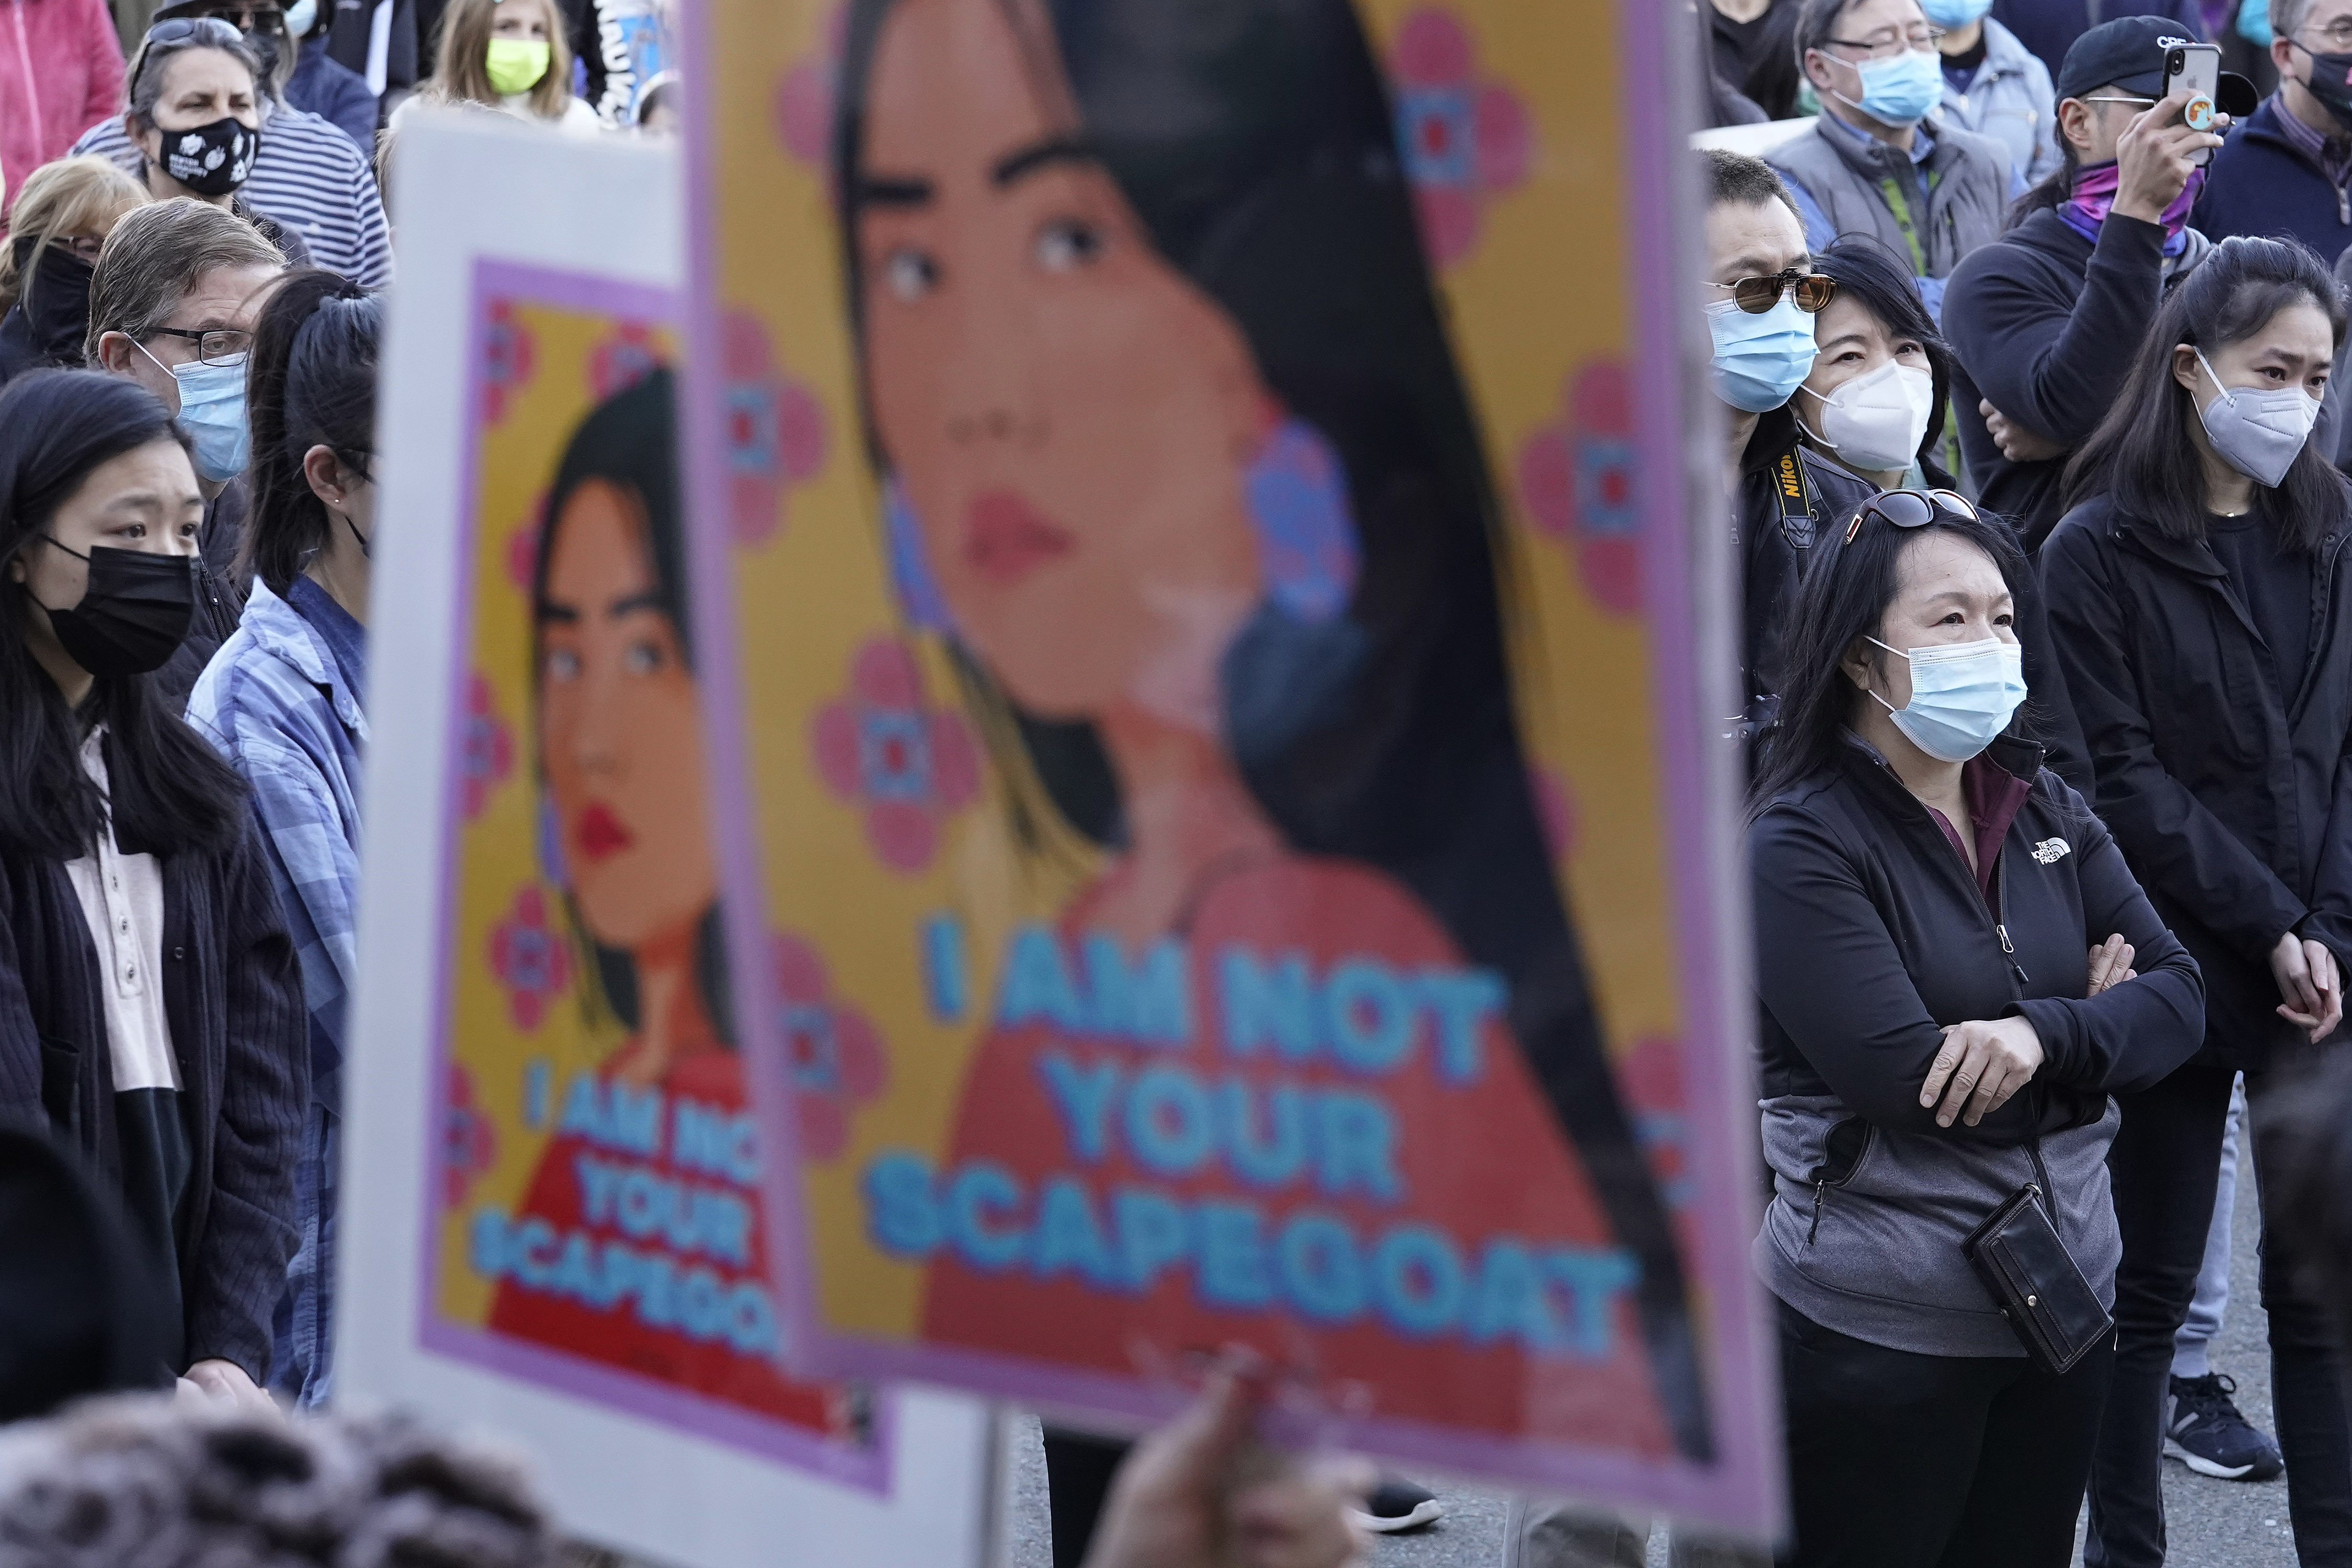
<point x="2055" y="186"/>
<point x="1256" y="144"/>
<point x="1871" y="274"/>
<point x="171" y="791"/>
<point x="2143" y="454"/>
<point x="310" y="382"/>
<point x="629" y="441"/>
<point x="1839" y="604"/>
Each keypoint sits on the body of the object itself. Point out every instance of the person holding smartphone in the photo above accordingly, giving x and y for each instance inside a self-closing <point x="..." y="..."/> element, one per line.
<point x="2037" y="319"/>
<point x="2288" y="169"/>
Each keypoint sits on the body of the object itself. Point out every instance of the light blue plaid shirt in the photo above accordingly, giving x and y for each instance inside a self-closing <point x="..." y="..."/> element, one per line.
<point x="274" y="702"/>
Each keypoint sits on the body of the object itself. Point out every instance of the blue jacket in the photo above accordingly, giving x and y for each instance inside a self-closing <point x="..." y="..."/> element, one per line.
<point x="2049" y="28"/>
<point x="275" y="705"/>
<point x="2009" y="100"/>
<point x="2261" y="185"/>
<point x="335" y="93"/>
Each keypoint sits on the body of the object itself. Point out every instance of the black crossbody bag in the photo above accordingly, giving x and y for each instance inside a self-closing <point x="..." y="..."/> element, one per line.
<point x="2018" y="1254"/>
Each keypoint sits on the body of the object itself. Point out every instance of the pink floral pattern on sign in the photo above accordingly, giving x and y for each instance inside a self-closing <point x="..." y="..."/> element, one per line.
<point x="803" y="100"/>
<point x="1578" y="484"/>
<point x="531" y="959"/>
<point x="522" y="545"/>
<point x="1465" y="137"/>
<point x="624" y="358"/>
<point x="469" y="1143"/>
<point x="486" y="756"/>
<point x="775" y="431"/>
<point x="835" y="1056"/>
<point x="906" y="764"/>
<point x="508" y="357"/>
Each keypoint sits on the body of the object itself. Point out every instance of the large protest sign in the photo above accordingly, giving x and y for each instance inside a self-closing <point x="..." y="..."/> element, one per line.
<point x="1211" y="689"/>
<point x="551" y="1190"/>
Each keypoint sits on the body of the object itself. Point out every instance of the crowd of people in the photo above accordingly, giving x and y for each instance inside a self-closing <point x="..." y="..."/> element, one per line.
<point x="2051" y="742"/>
<point x="2035" y="459"/>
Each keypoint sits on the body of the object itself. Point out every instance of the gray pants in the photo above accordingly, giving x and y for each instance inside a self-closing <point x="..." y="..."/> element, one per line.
<point x="1538" y="1534"/>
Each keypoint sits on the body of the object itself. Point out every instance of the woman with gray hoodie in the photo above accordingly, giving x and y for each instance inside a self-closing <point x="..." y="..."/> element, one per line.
<point x="1934" y="1047"/>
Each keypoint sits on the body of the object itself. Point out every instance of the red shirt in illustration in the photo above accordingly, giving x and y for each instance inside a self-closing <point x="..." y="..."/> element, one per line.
<point x="639" y="1243"/>
<point x="1321" y="1143"/>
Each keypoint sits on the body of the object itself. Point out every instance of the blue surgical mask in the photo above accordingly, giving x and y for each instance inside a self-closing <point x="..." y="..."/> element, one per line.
<point x="1759" y="360"/>
<point x="1900" y="90"/>
<point x="1942" y="13"/>
<point x="1963" y="695"/>
<point x="212" y="414"/>
<point x="300" y="14"/>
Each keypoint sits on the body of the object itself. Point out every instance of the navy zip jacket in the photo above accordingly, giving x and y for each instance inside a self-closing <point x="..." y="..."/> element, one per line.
<point x="233" y="999"/>
<point x="2043" y="324"/>
<point x="1872" y="936"/>
<point x="2260" y="183"/>
<point x="2230" y="796"/>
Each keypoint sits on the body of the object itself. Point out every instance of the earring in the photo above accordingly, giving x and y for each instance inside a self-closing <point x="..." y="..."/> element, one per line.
<point x="910" y="573"/>
<point x="1298" y="494"/>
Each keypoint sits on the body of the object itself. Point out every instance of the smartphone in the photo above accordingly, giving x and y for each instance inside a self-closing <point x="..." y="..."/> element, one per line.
<point x="2197" y="67"/>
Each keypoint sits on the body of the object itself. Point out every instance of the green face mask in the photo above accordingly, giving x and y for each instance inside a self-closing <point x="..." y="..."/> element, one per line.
<point x="515" y="65"/>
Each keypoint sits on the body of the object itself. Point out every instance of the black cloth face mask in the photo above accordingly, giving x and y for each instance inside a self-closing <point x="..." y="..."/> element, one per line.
<point x="133" y="615"/>
<point x="2331" y="82"/>
<point x="211" y="160"/>
<point x="54" y="299"/>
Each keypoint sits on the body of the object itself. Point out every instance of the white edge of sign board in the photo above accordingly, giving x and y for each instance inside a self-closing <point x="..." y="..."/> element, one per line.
<point x="469" y="188"/>
<point x="1755" y="139"/>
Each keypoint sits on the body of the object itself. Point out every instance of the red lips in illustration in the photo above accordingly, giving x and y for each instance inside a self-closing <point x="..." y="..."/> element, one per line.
<point x="599" y="834"/>
<point x="1005" y="538"/>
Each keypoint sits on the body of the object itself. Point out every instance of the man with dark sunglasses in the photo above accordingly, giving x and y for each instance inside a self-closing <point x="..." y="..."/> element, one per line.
<point x="1760" y="298"/>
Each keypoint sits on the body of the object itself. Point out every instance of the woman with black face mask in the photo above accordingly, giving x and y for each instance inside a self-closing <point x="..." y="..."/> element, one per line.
<point x="61" y="216"/>
<point x="150" y="1009"/>
<point x="195" y="114"/>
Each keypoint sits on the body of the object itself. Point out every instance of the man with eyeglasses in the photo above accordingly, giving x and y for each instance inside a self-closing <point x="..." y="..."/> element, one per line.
<point x="172" y="306"/>
<point x="2287" y="171"/>
<point x="2045" y="320"/>
<point x="1872" y="163"/>
<point x="1760" y="297"/>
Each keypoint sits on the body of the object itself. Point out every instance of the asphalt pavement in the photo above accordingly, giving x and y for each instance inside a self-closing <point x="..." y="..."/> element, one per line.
<point x="2211" y="1523"/>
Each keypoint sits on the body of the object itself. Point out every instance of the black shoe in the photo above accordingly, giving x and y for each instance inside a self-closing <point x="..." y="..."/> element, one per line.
<point x="1397" y="1505"/>
<point x="2203" y="1430"/>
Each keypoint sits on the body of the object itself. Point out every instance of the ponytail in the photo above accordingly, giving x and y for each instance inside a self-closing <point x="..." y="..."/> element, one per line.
<point x="310" y="382"/>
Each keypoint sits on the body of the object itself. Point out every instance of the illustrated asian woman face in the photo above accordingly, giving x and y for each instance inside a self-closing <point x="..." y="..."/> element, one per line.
<point x="1068" y="416"/>
<point x="619" y="730"/>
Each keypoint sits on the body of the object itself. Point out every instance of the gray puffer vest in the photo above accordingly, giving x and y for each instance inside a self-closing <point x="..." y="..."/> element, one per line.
<point x="1962" y="190"/>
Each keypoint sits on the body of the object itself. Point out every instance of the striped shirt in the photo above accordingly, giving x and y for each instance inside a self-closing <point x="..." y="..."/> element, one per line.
<point x="308" y="177"/>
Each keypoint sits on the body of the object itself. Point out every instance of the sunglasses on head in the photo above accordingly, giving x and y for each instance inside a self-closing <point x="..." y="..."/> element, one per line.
<point x="205" y="29"/>
<point x="1910" y="508"/>
<point x="1758" y="295"/>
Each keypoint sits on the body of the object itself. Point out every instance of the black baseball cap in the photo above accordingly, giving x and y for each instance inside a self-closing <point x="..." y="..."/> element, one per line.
<point x="2128" y="52"/>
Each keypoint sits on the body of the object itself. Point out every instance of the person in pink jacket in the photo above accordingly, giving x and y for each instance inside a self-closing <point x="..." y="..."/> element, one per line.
<point x="61" y="73"/>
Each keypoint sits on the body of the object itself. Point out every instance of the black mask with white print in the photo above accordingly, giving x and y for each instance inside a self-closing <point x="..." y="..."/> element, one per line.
<point x="211" y="160"/>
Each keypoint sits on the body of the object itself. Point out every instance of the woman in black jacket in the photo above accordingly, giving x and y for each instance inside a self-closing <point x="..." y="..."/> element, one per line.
<point x="1932" y="1042"/>
<point x="150" y="1009"/>
<point x="2203" y="617"/>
